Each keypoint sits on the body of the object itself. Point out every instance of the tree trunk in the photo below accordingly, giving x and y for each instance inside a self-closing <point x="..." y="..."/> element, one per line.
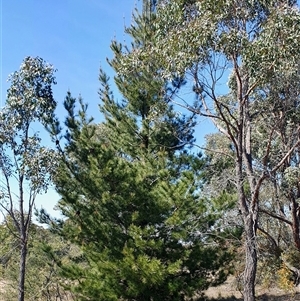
<point x="295" y="223"/>
<point x="250" y="260"/>
<point x="249" y="213"/>
<point x="22" y="269"/>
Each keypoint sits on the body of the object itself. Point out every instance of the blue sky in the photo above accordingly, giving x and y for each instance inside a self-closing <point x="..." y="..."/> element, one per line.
<point x="73" y="35"/>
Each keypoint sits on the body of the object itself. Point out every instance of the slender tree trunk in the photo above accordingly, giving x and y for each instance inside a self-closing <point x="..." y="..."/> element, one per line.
<point x="22" y="268"/>
<point x="251" y="259"/>
<point x="249" y="220"/>
<point x="23" y="242"/>
<point x="250" y="241"/>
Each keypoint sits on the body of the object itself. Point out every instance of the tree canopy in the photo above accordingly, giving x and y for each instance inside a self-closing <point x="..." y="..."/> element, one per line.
<point x="24" y="162"/>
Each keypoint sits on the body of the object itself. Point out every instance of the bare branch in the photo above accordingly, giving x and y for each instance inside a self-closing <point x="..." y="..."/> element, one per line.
<point x="278" y="217"/>
<point x="285" y="157"/>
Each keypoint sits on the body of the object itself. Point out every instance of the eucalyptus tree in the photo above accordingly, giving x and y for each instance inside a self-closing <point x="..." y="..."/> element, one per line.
<point x="278" y="106"/>
<point x="278" y="225"/>
<point x="252" y="45"/>
<point x="26" y="165"/>
<point x="280" y="193"/>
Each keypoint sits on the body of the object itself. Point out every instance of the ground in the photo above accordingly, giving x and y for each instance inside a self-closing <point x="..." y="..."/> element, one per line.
<point x="228" y="292"/>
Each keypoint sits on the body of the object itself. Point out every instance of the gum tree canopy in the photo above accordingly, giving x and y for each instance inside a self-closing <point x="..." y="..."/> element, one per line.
<point x="25" y="164"/>
<point x="257" y="43"/>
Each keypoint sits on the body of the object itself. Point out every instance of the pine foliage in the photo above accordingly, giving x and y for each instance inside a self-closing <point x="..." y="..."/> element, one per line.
<point x="131" y="192"/>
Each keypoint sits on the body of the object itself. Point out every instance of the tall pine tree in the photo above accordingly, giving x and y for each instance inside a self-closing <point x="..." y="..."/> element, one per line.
<point x="132" y="192"/>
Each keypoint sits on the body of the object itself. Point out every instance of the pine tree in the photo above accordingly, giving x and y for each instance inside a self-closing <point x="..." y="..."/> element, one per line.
<point x="131" y="190"/>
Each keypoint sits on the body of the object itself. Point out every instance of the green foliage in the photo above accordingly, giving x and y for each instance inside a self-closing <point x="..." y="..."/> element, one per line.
<point x="143" y="225"/>
<point x="29" y="100"/>
<point x="146" y="104"/>
<point x="256" y="113"/>
<point x="30" y="95"/>
<point x="26" y="165"/>
<point x="191" y="31"/>
<point x="131" y="192"/>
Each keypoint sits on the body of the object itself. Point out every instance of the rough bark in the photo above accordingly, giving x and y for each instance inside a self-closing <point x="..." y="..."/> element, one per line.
<point x="251" y="259"/>
<point x="295" y="223"/>
<point x="250" y="222"/>
<point x="244" y="172"/>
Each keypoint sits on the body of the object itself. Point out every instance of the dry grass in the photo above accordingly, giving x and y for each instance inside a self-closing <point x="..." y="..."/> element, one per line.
<point x="9" y="293"/>
<point x="229" y="292"/>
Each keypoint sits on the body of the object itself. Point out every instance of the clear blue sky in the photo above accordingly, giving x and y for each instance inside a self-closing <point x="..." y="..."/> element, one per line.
<point x="73" y="35"/>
